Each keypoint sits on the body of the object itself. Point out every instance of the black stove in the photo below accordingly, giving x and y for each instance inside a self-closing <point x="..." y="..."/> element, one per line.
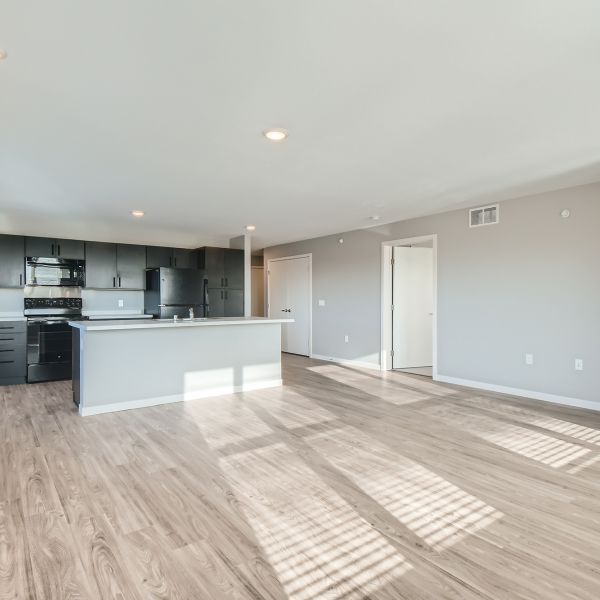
<point x="49" y="337"/>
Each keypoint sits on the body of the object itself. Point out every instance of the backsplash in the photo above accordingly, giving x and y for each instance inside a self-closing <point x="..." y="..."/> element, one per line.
<point x="99" y="302"/>
<point x="95" y="302"/>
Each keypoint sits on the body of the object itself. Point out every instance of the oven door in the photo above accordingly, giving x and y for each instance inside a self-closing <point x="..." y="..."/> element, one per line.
<point x="49" y="350"/>
<point x="55" y="272"/>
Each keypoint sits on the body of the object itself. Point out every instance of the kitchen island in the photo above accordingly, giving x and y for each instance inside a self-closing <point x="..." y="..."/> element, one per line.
<point x="120" y="365"/>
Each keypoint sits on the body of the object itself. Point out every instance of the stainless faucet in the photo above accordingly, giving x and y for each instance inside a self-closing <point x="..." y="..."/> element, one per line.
<point x="191" y="312"/>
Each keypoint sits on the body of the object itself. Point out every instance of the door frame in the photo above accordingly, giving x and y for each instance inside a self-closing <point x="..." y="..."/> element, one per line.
<point x="385" y="356"/>
<point x="310" y="293"/>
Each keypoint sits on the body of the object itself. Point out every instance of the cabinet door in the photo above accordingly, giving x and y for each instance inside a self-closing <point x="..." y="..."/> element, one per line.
<point x="234" y="269"/>
<point x="131" y="265"/>
<point x="37" y="246"/>
<point x="216" y="303"/>
<point x="100" y="265"/>
<point x="70" y="249"/>
<point x="234" y="303"/>
<point x="183" y="258"/>
<point x="213" y="264"/>
<point x="158" y="256"/>
<point x="12" y="261"/>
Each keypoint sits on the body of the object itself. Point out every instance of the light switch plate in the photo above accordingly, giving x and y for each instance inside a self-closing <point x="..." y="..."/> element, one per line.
<point x="529" y="359"/>
<point x="579" y="364"/>
<point x="321" y="302"/>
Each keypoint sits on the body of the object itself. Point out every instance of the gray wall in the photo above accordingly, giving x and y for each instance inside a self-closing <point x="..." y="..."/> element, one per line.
<point x="529" y="284"/>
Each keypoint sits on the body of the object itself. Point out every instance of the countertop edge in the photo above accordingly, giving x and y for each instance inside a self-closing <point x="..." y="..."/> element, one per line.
<point x="155" y="324"/>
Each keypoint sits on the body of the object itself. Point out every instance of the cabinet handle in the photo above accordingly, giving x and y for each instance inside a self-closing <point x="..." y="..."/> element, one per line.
<point x="58" y="249"/>
<point x="114" y="282"/>
<point x="170" y="261"/>
<point x="221" y="293"/>
<point x="52" y="251"/>
<point x="119" y="281"/>
<point x="175" y="261"/>
<point x="20" y="278"/>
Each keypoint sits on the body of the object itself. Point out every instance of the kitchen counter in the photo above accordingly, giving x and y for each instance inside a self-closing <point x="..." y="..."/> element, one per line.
<point x="115" y="316"/>
<point x="121" y="365"/>
<point x="170" y="323"/>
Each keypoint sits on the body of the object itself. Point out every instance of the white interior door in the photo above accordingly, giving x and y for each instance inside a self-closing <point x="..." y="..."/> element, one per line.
<point x="412" y="317"/>
<point x="289" y="296"/>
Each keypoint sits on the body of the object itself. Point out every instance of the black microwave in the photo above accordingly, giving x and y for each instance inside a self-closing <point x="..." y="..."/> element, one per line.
<point x="54" y="271"/>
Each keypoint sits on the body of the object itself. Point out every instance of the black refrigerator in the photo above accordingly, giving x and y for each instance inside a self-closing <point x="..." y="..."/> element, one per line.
<point x="171" y="292"/>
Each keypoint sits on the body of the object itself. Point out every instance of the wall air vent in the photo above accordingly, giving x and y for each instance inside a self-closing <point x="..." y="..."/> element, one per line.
<point x="484" y="215"/>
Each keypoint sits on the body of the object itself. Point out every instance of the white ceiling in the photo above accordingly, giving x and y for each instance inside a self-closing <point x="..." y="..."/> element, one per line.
<point x="394" y="108"/>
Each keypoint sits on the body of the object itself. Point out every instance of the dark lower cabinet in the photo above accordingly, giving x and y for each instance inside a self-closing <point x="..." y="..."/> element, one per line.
<point x="234" y="303"/>
<point x="12" y="261"/>
<point x="13" y="345"/>
<point x="225" y="303"/>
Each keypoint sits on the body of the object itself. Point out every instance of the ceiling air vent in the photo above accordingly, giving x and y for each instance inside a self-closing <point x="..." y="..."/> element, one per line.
<point x="485" y="215"/>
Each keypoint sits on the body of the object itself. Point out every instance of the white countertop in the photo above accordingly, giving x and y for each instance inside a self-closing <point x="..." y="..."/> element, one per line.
<point x="163" y="323"/>
<point x="15" y="318"/>
<point x="116" y="316"/>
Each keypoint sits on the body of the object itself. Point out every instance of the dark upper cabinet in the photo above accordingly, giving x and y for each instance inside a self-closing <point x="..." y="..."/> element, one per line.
<point x="234" y="303"/>
<point x="12" y="261"/>
<point x="100" y="265"/>
<point x="176" y="258"/>
<point x="52" y="247"/>
<point x="223" y="267"/>
<point x="234" y="269"/>
<point x="131" y="265"/>
<point x="158" y="256"/>
<point x="184" y="258"/>
<point x="110" y="266"/>
<point x="70" y="249"/>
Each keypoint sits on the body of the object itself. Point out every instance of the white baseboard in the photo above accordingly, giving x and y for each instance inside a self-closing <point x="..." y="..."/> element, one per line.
<point x="503" y="389"/>
<point x="346" y="361"/>
<point x="86" y="411"/>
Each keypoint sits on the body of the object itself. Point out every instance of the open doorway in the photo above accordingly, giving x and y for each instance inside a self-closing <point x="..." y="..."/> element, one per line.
<point x="409" y="290"/>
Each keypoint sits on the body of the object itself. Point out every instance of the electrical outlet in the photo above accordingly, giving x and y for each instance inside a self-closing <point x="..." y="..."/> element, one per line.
<point x="346" y="339"/>
<point x="321" y="302"/>
<point x="120" y="302"/>
<point x="529" y="359"/>
<point x="579" y="364"/>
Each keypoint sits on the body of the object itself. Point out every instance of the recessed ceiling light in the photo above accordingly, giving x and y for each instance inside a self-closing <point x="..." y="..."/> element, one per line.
<point x="275" y="135"/>
<point x="374" y="217"/>
<point x="250" y="227"/>
<point x="3" y="54"/>
<point x="137" y="213"/>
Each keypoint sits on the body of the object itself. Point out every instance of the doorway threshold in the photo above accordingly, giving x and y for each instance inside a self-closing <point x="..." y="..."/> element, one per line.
<point x="423" y="371"/>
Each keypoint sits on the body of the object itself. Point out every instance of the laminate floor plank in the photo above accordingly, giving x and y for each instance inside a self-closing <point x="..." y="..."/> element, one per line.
<point x="343" y="484"/>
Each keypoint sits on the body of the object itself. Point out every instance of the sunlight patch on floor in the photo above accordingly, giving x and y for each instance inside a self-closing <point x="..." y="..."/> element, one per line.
<point x="398" y="389"/>
<point x="585" y="464"/>
<point x="317" y="544"/>
<point x="437" y="511"/>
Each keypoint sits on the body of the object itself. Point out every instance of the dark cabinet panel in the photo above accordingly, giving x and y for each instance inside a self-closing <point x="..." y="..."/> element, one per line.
<point x="12" y="261"/>
<point x="158" y="256"/>
<point x="216" y="303"/>
<point x="234" y="303"/>
<point x="223" y="267"/>
<point x="13" y="364"/>
<point x="183" y="258"/>
<point x="131" y="264"/>
<point x="74" y="249"/>
<point x="37" y="246"/>
<point x="51" y="247"/>
<point x="100" y="265"/>
<point x="234" y="269"/>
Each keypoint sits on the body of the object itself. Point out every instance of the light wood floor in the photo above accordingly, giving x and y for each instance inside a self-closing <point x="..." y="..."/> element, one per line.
<point x="343" y="484"/>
